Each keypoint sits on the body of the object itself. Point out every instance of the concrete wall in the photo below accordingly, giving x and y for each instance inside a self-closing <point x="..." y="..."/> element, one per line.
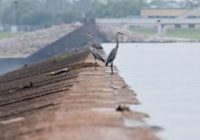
<point x="166" y="13"/>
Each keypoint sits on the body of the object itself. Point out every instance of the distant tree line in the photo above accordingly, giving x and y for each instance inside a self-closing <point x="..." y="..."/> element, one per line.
<point x="178" y="4"/>
<point x="45" y="12"/>
<point x="48" y="12"/>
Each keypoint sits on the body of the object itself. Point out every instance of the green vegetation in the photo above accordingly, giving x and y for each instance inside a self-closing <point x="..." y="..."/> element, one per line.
<point x="6" y="35"/>
<point x="48" y="12"/>
<point x="189" y="33"/>
<point x="184" y="33"/>
<point x="145" y="31"/>
<point x="63" y="56"/>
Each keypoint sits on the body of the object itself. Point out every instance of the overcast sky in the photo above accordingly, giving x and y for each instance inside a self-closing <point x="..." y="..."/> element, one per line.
<point x="175" y="0"/>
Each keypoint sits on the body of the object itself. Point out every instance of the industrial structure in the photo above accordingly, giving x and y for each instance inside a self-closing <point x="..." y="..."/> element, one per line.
<point x="189" y="17"/>
<point x="170" y="13"/>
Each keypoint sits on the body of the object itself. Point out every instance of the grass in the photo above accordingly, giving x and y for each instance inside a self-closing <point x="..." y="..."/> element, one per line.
<point x="7" y="35"/>
<point x="184" y="33"/>
<point x="63" y="56"/>
<point x="145" y="31"/>
<point x="189" y="33"/>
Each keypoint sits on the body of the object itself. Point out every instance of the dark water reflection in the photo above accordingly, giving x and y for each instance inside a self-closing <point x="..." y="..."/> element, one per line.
<point x="7" y="65"/>
<point x="166" y="78"/>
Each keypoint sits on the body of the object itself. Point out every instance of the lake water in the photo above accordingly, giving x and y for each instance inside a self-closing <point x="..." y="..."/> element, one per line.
<point x="166" y="78"/>
<point x="7" y="65"/>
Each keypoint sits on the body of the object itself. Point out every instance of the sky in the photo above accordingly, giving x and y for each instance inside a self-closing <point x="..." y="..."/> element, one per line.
<point x="174" y="0"/>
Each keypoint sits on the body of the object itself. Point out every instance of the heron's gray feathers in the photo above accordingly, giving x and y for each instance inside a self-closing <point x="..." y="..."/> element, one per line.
<point x="111" y="56"/>
<point x="113" y="52"/>
<point x="97" y="45"/>
<point x="97" y="55"/>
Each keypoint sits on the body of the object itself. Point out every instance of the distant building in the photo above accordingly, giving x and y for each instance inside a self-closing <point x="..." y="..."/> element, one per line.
<point x="163" y="13"/>
<point x="173" y="13"/>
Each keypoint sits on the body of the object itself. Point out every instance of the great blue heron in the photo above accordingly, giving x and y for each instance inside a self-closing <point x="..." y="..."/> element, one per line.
<point x="94" y="48"/>
<point x="113" y="53"/>
<point x="96" y="55"/>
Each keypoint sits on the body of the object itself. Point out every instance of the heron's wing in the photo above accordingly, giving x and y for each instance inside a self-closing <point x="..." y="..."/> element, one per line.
<point x="97" y="55"/>
<point x="93" y="53"/>
<point x="97" y="45"/>
<point x="111" y="56"/>
<point x="100" y="57"/>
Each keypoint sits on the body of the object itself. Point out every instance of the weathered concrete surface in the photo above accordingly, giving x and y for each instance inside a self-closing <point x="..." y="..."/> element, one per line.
<point x="76" y="105"/>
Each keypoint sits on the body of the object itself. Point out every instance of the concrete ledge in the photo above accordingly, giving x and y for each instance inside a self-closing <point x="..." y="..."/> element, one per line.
<point x="80" y="104"/>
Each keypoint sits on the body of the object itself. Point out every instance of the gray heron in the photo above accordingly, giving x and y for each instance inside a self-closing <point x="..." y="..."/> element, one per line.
<point x="94" y="49"/>
<point x="113" y="53"/>
<point x="96" y="56"/>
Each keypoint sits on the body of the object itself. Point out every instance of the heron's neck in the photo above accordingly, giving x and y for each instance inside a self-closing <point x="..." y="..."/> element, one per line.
<point x="117" y="40"/>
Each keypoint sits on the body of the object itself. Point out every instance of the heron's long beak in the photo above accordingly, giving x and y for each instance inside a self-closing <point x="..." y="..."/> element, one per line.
<point x="123" y="34"/>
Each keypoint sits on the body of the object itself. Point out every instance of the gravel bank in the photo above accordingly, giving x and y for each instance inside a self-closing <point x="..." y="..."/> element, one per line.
<point x="28" y="43"/>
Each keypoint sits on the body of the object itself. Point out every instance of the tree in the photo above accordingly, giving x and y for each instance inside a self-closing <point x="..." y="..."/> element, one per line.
<point x="159" y="3"/>
<point x="192" y="3"/>
<point x="40" y="12"/>
<point x="120" y="8"/>
<point x="56" y="6"/>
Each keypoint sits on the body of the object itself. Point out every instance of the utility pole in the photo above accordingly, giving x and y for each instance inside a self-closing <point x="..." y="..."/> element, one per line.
<point x="14" y="26"/>
<point x="1" y="28"/>
<point x="14" y="15"/>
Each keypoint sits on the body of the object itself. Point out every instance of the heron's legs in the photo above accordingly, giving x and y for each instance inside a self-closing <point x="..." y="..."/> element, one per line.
<point x="111" y="68"/>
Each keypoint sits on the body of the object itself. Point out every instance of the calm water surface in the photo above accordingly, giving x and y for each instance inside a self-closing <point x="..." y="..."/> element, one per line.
<point x="9" y="65"/>
<point x="166" y="78"/>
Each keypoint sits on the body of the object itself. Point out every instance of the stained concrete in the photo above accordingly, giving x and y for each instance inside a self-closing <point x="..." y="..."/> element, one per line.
<point x="79" y="104"/>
